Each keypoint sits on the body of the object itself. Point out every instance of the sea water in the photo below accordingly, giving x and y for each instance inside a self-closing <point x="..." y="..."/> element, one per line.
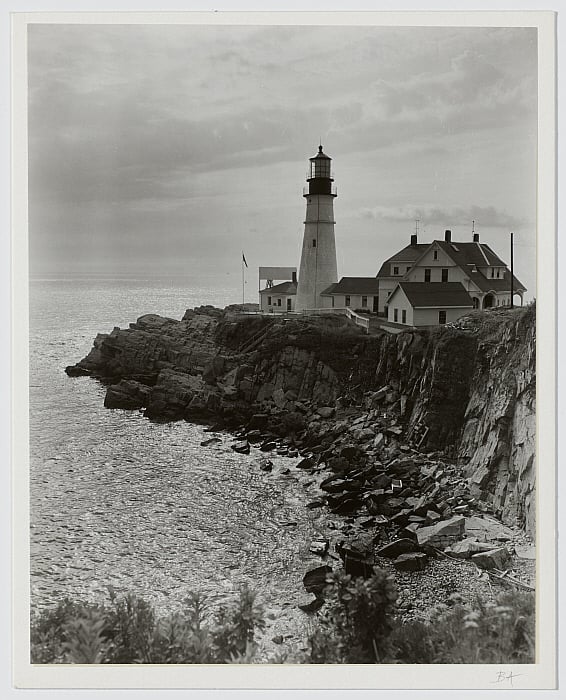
<point x="117" y="500"/>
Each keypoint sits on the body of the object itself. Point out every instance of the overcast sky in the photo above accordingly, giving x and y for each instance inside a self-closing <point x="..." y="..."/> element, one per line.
<point x="169" y="149"/>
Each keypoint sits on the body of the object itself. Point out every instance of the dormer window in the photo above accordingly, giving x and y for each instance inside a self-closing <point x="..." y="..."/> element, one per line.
<point x="395" y="270"/>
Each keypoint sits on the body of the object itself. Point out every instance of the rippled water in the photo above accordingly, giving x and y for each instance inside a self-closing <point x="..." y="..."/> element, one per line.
<point x="118" y="500"/>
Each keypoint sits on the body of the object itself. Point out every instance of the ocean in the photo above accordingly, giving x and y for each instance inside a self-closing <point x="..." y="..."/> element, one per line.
<point x="116" y="500"/>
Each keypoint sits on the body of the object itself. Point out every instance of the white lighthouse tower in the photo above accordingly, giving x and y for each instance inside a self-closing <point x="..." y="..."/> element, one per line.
<point x="318" y="258"/>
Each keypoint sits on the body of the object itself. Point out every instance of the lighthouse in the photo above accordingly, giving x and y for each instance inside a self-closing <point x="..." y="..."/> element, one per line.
<point x="318" y="257"/>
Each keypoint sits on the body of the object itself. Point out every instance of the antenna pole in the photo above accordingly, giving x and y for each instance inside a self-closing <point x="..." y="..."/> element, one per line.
<point x="511" y="269"/>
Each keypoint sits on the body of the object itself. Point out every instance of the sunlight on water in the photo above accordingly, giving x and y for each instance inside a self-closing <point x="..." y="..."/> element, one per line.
<point x="118" y="500"/>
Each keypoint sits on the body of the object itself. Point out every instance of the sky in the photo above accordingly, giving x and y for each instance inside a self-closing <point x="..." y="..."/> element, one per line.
<point x="170" y="149"/>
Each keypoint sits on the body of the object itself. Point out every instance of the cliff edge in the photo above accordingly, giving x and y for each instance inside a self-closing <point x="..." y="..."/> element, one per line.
<point x="466" y="389"/>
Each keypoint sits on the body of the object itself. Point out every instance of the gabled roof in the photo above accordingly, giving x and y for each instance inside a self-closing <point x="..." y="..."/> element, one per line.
<point x="408" y="255"/>
<point x="353" y="285"/>
<point x="283" y="288"/>
<point x="471" y="256"/>
<point x="494" y="284"/>
<point x="468" y="253"/>
<point x="434" y="294"/>
<point x="468" y="256"/>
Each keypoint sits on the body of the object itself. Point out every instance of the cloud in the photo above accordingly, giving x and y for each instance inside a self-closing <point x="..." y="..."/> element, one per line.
<point x="484" y="217"/>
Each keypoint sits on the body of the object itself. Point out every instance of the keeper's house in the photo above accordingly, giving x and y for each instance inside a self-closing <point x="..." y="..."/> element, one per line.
<point x="424" y="304"/>
<point x="357" y="293"/>
<point x="443" y="279"/>
<point x="279" y="298"/>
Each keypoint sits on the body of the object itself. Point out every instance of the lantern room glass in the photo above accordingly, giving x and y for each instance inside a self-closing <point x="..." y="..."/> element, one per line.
<point x="320" y="167"/>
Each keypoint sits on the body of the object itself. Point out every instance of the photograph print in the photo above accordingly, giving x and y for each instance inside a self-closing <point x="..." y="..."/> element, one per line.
<point x="282" y="344"/>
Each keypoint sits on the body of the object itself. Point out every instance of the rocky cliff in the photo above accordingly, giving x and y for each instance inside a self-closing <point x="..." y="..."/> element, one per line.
<point x="467" y="389"/>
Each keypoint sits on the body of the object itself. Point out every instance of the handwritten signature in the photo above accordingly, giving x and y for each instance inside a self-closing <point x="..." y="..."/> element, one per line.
<point x="506" y="677"/>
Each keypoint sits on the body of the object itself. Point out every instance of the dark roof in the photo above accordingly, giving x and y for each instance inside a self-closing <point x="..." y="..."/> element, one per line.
<point x="283" y="288"/>
<point x="493" y="284"/>
<point x="428" y="294"/>
<point x="468" y="253"/>
<point x="353" y="285"/>
<point x="320" y="154"/>
<point x="408" y="254"/>
<point x="469" y="256"/>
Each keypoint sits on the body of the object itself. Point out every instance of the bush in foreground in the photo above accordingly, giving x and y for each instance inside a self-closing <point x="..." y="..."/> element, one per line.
<point x="129" y="632"/>
<point x="357" y="625"/>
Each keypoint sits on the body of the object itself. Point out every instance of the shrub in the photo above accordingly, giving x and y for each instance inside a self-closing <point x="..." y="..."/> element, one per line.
<point x="485" y="633"/>
<point x="357" y="621"/>
<point x="129" y="631"/>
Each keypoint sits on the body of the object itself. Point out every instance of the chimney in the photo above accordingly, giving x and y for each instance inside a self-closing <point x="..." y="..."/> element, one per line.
<point x="448" y="235"/>
<point x="294" y="276"/>
<point x="414" y="239"/>
<point x="476" y="237"/>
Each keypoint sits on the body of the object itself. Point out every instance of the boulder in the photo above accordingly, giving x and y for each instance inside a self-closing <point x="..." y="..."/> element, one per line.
<point x="268" y="446"/>
<point x="493" y="559"/>
<point x="315" y="504"/>
<point x="314" y="580"/>
<point x="412" y="561"/>
<point x="525" y="551"/>
<point x="378" y="441"/>
<point x="466" y="548"/>
<point x="242" y="447"/>
<point x="306" y="463"/>
<point x="325" y="411"/>
<point x="77" y="371"/>
<point x="487" y="530"/>
<point x="442" y="534"/>
<point x="310" y="603"/>
<point x="319" y="546"/>
<point x="127" y="394"/>
<point x="358" y="566"/>
<point x="396" y="548"/>
<point x="210" y="441"/>
<point x="266" y="465"/>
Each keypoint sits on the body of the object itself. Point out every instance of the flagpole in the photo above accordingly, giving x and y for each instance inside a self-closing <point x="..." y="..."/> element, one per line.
<point x="243" y="280"/>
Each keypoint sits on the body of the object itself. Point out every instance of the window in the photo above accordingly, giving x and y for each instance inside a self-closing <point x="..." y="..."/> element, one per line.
<point x="492" y="272"/>
<point x="364" y="302"/>
<point x="279" y="301"/>
<point x="332" y="302"/>
<point x="404" y="316"/>
<point x="427" y="275"/>
<point x="395" y="315"/>
<point x="408" y="268"/>
<point x="314" y="242"/>
<point x="444" y="275"/>
<point x="442" y="316"/>
<point x="347" y="301"/>
<point x="388" y="294"/>
<point x="269" y="301"/>
<point x="497" y="273"/>
<point x="476" y="302"/>
<point x="435" y="254"/>
<point x="395" y="270"/>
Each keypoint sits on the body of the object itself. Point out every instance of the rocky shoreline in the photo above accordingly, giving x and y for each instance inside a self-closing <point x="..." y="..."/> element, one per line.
<point x="419" y="444"/>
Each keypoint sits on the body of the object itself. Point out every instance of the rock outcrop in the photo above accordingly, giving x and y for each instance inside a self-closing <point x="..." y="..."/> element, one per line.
<point x="466" y="390"/>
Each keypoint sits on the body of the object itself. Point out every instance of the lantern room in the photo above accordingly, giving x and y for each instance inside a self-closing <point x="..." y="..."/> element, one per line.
<point x="320" y="175"/>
